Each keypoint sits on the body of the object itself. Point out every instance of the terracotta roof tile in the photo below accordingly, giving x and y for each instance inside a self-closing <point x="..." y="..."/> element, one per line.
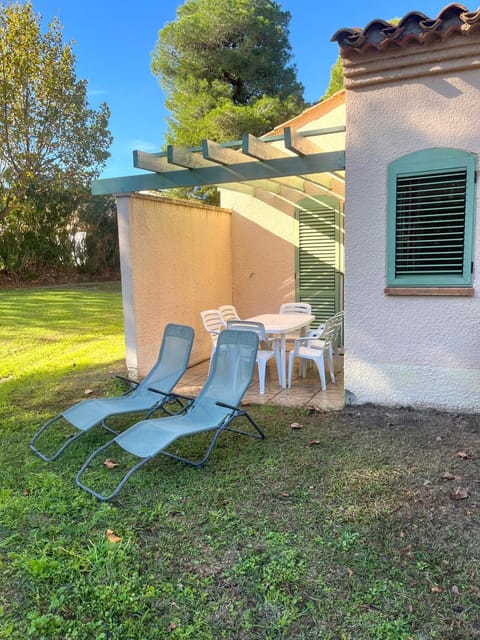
<point x="413" y="27"/>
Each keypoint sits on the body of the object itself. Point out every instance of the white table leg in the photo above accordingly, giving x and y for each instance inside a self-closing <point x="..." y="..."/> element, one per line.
<point x="283" y="359"/>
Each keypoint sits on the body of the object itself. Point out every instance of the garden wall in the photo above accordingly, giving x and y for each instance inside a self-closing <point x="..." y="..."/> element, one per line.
<point x="175" y="262"/>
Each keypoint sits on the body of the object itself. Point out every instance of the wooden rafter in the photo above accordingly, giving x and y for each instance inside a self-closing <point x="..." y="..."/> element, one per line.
<point x="311" y="184"/>
<point x="298" y="144"/>
<point x="254" y="163"/>
<point x="186" y="158"/>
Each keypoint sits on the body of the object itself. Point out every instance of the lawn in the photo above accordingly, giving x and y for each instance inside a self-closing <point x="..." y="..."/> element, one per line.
<point x="361" y="524"/>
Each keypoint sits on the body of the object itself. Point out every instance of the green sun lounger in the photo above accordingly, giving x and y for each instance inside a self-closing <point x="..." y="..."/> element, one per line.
<point x="147" y="396"/>
<point x="216" y="406"/>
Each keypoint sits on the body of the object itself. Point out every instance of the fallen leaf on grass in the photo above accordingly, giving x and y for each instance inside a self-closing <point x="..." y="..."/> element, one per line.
<point x="110" y="464"/>
<point x="112" y="537"/>
<point x="350" y="572"/>
<point x="171" y="627"/>
<point x="311" y="408"/>
<point x="465" y="455"/>
<point x="407" y="551"/>
<point x="436" y="589"/>
<point x="448" y="476"/>
<point x="312" y="443"/>
<point x="455" y="590"/>
<point x="458" y="494"/>
<point x="295" y="425"/>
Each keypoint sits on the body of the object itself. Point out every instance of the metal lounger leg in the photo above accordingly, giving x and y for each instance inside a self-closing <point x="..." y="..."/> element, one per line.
<point x="237" y="413"/>
<point x="60" y="450"/>
<point x="127" y="475"/>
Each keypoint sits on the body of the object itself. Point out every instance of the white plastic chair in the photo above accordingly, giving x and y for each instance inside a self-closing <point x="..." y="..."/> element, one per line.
<point x="337" y="321"/>
<point x="214" y="323"/>
<point x="263" y="355"/>
<point x="296" y="307"/>
<point x="304" y="349"/>
<point x="228" y="312"/>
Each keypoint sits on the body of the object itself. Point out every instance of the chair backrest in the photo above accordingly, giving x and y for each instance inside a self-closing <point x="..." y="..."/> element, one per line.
<point x="213" y="322"/>
<point x="248" y="325"/>
<point x="228" y="312"/>
<point x="329" y="331"/>
<point x="338" y="319"/>
<point x="296" y="307"/>
<point x="230" y="374"/>
<point x="172" y="359"/>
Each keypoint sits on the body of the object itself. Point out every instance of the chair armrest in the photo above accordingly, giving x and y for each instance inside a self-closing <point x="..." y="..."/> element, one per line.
<point x="304" y="339"/>
<point x="316" y="333"/>
<point x="227" y="406"/>
<point x="171" y="394"/>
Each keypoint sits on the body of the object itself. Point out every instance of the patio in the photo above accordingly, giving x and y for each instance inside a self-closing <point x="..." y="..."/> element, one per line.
<point x="303" y="392"/>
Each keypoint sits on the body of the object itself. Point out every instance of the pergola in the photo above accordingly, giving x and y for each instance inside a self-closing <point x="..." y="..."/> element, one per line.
<point x="288" y="166"/>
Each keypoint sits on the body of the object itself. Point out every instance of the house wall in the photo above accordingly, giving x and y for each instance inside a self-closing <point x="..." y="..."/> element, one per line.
<point x="175" y="262"/>
<point x="421" y="351"/>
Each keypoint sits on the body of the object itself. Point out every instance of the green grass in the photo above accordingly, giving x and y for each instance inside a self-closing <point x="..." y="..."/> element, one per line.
<point x="355" y="537"/>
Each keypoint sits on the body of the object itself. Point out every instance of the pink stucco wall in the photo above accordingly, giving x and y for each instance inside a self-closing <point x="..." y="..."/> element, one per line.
<point x="419" y="351"/>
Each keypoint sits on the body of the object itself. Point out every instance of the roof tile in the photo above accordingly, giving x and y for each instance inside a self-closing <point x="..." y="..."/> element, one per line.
<point x="414" y="27"/>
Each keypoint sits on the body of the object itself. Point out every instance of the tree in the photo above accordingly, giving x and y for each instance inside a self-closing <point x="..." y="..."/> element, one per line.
<point x="336" y="79"/>
<point x="96" y="247"/>
<point x="225" y="68"/>
<point x="52" y="144"/>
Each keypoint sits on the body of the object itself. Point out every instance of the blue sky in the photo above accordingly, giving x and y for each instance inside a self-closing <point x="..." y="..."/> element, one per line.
<point x="113" y="41"/>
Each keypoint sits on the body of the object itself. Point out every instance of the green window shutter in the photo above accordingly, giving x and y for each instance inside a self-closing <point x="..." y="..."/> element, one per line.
<point x="431" y="218"/>
<point x="318" y="260"/>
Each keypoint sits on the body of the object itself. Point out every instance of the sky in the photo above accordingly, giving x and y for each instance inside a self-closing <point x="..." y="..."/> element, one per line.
<point x="113" y="41"/>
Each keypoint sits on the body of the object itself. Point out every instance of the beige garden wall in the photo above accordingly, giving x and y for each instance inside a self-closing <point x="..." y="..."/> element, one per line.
<point x="264" y="240"/>
<point x="406" y="350"/>
<point x="175" y="262"/>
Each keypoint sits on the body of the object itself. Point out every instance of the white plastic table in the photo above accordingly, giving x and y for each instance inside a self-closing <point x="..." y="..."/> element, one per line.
<point x="280" y="324"/>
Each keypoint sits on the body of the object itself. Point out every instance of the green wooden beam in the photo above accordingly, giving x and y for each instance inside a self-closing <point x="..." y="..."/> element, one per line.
<point x="150" y="161"/>
<point x="249" y="170"/>
<point x="258" y="148"/>
<point x="217" y="153"/>
<point x="184" y="157"/>
<point x="300" y="145"/>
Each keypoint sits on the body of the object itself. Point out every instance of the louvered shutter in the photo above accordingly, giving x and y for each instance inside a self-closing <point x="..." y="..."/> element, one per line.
<point x="317" y="273"/>
<point x="430" y="225"/>
<point x="431" y="220"/>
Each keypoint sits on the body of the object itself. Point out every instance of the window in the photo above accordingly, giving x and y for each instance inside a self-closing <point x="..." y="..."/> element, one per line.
<point x="431" y="207"/>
